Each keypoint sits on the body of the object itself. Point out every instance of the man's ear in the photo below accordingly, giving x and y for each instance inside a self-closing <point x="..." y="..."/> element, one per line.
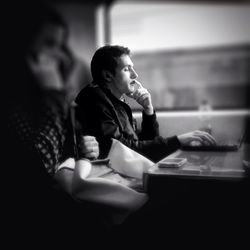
<point x="107" y="76"/>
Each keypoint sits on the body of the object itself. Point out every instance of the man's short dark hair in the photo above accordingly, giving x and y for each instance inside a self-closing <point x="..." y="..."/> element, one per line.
<point x="105" y="58"/>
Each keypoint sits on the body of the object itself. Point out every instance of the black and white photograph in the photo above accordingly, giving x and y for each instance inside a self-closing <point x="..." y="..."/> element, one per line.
<point x="128" y="123"/>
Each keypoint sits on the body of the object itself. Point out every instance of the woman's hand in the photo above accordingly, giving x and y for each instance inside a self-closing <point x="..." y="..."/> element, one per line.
<point x="45" y="71"/>
<point x="196" y="138"/>
<point x="88" y="147"/>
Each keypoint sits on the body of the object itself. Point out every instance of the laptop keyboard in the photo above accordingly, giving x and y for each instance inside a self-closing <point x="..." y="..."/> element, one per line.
<point x="219" y="147"/>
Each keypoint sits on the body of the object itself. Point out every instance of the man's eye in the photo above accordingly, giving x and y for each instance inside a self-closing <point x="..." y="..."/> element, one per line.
<point x="128" y="68"/>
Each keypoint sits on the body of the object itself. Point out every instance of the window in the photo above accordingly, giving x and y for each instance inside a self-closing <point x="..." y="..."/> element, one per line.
<point x="186" y="54"/>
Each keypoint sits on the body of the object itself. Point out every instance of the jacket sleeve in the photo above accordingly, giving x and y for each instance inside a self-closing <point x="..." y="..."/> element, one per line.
<point x="149" y="127"/>
<point x="101" y="123"/>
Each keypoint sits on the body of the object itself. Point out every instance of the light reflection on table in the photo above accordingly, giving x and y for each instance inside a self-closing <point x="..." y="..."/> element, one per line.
<point x="215" y="165"/>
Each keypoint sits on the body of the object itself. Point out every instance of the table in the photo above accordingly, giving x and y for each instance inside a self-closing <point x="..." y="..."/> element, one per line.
<point x="211" y="186"/>
<point x="213" y="166"/>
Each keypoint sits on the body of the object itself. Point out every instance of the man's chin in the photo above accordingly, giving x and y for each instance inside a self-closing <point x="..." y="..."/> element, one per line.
<point x="132" y="89"/>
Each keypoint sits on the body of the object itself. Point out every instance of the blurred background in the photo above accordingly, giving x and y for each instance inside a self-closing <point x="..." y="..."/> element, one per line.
<point x="187" y="53"/>
<point x="191" y="55"/>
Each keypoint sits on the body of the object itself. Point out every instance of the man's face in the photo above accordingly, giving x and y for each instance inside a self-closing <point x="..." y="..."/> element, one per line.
<point x="123" y="80"/>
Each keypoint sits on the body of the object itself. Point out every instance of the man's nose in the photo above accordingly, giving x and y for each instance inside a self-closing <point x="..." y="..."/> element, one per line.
<point x="134" y="75"/>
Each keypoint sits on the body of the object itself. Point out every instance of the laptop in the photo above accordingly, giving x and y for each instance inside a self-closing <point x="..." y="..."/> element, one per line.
<point x="219" y="147"/>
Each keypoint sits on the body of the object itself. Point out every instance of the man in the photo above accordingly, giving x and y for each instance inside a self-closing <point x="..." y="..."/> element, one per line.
<point x="103" y="109"/>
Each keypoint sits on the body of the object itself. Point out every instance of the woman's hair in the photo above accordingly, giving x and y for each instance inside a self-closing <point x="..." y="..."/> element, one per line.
<point x="105" y="58"/>
<point x="31" y="20"/>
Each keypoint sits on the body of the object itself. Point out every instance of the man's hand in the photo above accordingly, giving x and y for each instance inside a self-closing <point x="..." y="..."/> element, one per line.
<point x="89" y="147"/>
<point x="196" y="138"/>
<point x="143" y="97"/>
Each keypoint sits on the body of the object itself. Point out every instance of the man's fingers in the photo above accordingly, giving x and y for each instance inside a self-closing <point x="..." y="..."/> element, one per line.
<point x="92" y="155"/>
<point x="206" y="137"/>
<point x="89" y="144"/>
<point x="142" y="98"/>
<point x="138" y="84"/>
<point x="140" y="92"/>
<point x="88" y="138"/>
<point x="90" y="149"/>
<point x="196" y="138"/>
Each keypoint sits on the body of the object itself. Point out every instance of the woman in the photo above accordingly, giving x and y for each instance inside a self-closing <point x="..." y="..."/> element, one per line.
<point x="43" y="87"/>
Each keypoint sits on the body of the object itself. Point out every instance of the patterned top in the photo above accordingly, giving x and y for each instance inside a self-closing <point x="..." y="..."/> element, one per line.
<point x="45" y="132"/>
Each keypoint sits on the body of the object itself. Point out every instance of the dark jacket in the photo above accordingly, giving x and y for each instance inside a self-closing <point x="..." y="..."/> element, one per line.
<point x="104" y="116"/>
